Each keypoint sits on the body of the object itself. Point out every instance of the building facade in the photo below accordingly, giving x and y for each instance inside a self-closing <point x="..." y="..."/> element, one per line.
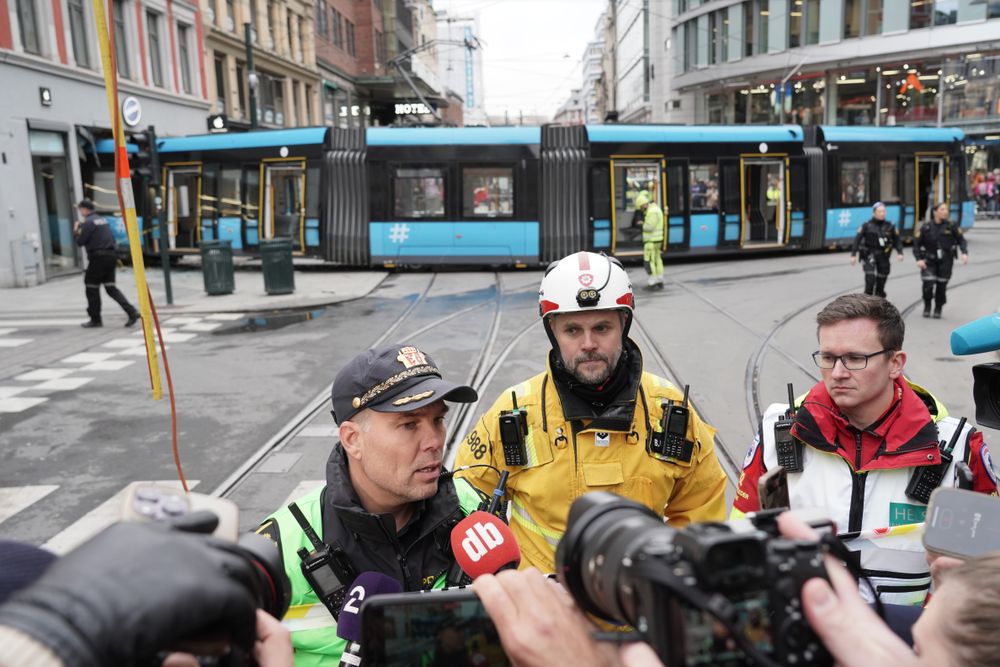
<point x="460" y="67"/>
<point x="284" y="54"/>
<point x="54" y="105"/>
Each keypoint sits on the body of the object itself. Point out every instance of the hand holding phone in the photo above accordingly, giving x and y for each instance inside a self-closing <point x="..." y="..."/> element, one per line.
<point x="962" y="524"/>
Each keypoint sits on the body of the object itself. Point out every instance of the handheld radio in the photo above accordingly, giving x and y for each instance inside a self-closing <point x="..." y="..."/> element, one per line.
<point x="327" y="569"/>
<point x="513" y="429"/>
<point x="786" y="446"/>
<point x="925" y="479"/>
<point x="672" y="440"/>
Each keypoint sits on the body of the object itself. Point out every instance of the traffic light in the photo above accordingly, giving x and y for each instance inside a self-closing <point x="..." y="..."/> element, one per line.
<point x="146" y="161"/>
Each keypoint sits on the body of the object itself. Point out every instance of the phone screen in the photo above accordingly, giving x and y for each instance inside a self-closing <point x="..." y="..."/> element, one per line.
<point x="426" y="629"/>
<point x="708" y="643"/>
<point x="772" y="489"/>
<point x="962" y="523"/>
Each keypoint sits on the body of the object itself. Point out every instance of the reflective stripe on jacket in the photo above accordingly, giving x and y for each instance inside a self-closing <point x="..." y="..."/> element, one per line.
<point x="312" y="627"/>
<point x="567" y="458"/>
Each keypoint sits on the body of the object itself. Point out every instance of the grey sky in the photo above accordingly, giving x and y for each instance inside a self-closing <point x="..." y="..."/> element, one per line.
<point x="532" y="49"/>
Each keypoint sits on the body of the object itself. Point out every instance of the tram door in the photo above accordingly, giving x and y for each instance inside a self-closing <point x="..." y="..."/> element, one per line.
<point x="182" y="206"/>
<point x="932" y="184"/>
<point x="764" y="205"/>
<point x="632" y="177"/>
<point x="284" y="209"/>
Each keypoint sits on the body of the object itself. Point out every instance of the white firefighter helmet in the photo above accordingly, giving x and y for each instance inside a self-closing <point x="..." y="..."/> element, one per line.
<point x="585" y="281"/>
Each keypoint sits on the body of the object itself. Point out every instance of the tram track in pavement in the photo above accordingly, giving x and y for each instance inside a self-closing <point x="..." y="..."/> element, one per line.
<point x="320" y="402"/>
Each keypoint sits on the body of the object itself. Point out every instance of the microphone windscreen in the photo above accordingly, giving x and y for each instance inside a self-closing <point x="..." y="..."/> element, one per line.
<point x="982" y="335"/>
<point x="483" y="544"/>
<point x="365" y="586"/>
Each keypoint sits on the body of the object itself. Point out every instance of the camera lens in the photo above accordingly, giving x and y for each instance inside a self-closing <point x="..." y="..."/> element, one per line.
<point x="602" y="532"/>
<point x="273" y="591"/>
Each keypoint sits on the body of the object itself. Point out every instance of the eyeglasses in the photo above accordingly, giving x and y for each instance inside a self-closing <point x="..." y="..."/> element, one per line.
<point x="852" y="362"/>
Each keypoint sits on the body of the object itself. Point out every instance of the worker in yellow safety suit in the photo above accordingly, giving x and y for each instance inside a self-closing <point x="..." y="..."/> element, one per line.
<point x="652" y="239"/>
<point x="593" y="421"/>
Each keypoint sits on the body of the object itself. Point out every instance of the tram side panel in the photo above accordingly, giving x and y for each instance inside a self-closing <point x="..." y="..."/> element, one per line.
<point x="444" y="196"/>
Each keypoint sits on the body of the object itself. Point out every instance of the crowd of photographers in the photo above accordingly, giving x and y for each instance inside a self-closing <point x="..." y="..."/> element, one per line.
<point x="164" y="593"/>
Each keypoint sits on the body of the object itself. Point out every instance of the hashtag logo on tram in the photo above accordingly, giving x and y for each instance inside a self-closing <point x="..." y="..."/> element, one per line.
<point x="399" y="233"/>
<point x="845" y="218"/>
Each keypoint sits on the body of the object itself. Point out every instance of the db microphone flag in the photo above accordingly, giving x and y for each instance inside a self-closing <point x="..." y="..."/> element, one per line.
<point x="483" y="544"/>
<point x="349" y="624"/>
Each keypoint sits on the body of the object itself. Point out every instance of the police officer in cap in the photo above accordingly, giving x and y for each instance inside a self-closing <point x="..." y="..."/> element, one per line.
<point x="592" y="421"/>
<point x="385" y="506"/>
<point x="94" y="234"/>
<point x="935" y="248"/>
<point x="875" y="242"/>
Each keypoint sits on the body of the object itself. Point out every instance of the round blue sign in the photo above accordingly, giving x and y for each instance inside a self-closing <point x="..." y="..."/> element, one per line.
<point x="131" y="111"/>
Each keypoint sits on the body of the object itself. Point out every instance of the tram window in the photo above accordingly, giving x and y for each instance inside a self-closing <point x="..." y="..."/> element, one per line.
<point x="488" y="192"/>
<point x="637" y="179"/>
<point x="956" y="195"/>
<point x="419" y="193"/>
<point x="704" y="187"/>
<point x="888" y="183"/>
<point x="103" y="193"/>
<point x="229" y="192"/>
<point x="209" y="189"/>
<point x="853" y="182"/>
<point x="908" y="184"/>
<point x="312" y="192"/>
<point x="675" y="189"/>
<point x="251" y="204"/>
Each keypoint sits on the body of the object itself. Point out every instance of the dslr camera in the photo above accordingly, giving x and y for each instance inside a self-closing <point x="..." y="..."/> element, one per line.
<point x="270" y="588"/>
<point x="721" y="594"/>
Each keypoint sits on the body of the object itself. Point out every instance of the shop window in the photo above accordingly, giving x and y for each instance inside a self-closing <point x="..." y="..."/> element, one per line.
<point x="910" y="95"/>
<point x="855" y="97"/>
<point x="853" y="182"/>
<point x="488" y="192"/>
<point x="888" y="181"/>
<point x="704" y="187"/>
<point x="419" y="193"/>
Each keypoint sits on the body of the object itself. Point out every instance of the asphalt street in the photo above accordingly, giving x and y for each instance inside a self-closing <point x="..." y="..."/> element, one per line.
<point x="253" y="424"/>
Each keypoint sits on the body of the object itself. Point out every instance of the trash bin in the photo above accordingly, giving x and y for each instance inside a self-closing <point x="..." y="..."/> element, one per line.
<point x="276" y="263"/>
<point x="217" y="267"/>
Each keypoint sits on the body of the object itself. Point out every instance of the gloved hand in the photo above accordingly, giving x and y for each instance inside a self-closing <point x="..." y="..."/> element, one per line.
<point x="134" y="590"/>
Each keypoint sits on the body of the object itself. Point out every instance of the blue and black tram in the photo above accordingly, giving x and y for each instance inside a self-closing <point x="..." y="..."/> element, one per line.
<point x="523" y="196"/>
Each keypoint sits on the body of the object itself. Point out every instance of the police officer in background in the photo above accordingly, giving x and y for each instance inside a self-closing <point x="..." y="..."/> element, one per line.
<point x="593" y="421"/>
<point x="935" y="248"/>
<point x="385" y="507"/>
<point x="875" y="241"/>
<point x="857" y="440"/>
<point x="94" y="234"/>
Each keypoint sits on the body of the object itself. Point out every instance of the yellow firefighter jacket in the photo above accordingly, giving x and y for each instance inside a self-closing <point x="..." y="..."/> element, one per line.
<point x="568" y="457"/>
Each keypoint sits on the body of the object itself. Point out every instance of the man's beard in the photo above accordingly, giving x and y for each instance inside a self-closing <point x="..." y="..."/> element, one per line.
<point x="593" y="376"/>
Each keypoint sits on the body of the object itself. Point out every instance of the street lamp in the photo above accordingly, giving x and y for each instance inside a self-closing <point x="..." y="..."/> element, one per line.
<point x="252" y="79"/>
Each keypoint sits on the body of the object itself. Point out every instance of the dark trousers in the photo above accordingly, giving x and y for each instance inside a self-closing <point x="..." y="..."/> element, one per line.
<point x="101" y="271"/>
<point x="935" y="279"/>
<point x="876" y="273"/>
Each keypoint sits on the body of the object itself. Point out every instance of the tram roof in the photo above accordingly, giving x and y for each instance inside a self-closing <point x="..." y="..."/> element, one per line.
<point x="693" y="133"/>
<point x="909" y="134"/>
<point x="299" y="136"/>
<point x="452" y="136"/>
